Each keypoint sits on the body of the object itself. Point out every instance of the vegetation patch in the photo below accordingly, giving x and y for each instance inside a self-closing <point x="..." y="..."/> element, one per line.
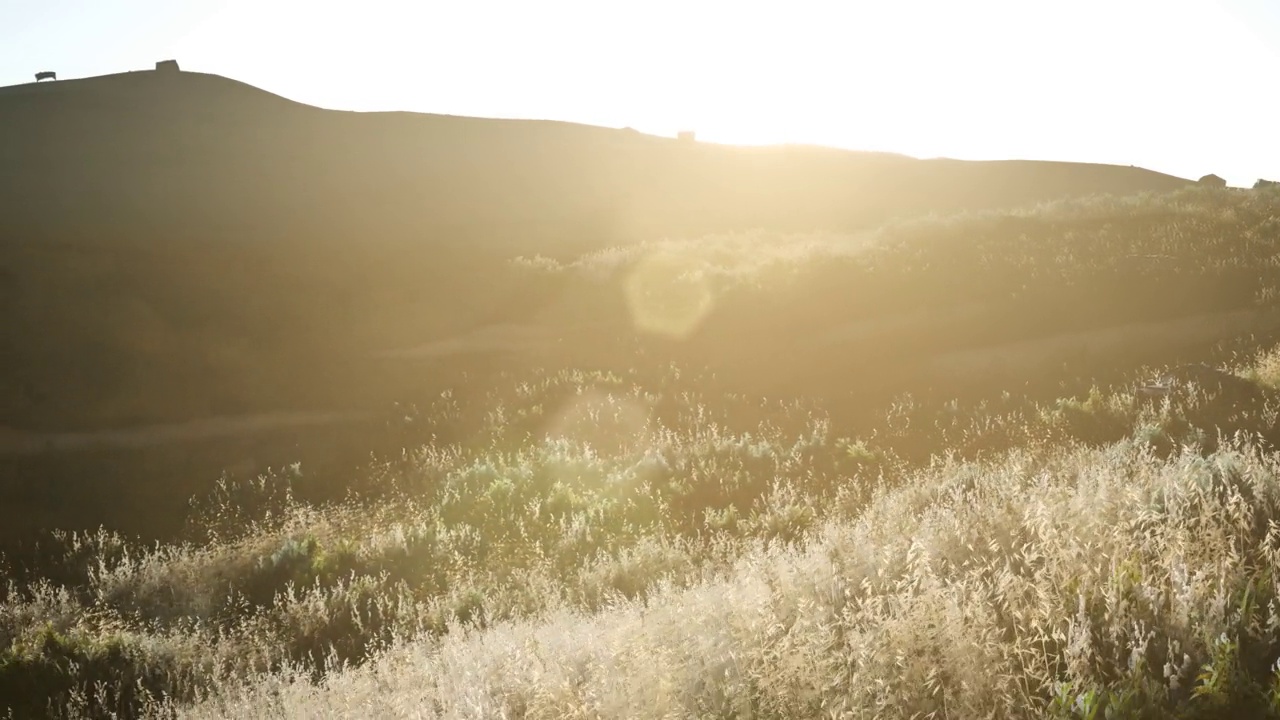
<point x="638" y="542"/>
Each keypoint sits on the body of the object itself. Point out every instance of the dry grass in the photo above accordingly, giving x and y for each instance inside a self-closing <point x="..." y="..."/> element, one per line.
<point x="731" y="561"/>
<point x="595" y="544"/>
<point x="1033" y="585"/>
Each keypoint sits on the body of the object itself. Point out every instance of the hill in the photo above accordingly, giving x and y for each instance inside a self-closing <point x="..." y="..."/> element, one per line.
<point x="181" y="245"/>
<point x="960" y="464"/>
<point x="539" y="541"/>
<point x="149" y="150"/>
<point x="1044" y="301"/>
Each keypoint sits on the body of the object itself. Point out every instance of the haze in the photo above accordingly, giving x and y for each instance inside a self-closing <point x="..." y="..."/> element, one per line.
<point x="1181" y="86"/>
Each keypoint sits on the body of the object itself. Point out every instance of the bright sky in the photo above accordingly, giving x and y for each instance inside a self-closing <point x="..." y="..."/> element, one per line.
<point x="1182" y="86"/>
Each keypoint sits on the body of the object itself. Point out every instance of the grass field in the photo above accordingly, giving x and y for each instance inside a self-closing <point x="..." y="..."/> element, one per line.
<point x="903" y="473"/>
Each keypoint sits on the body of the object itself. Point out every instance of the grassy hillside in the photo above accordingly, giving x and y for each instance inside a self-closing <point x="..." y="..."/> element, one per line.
<point x="594" y="424"/>
<point x="929" y="298"/>
<point x="925" y="502"/>
<point x="178" y="246"/>
<point x="1001" y="558"/>
<point x="956" y="306"/>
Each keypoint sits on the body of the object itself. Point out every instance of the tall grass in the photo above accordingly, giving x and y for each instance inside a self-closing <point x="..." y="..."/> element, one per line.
<point x="737" y="541"/>
<point x="1059" y="583"/>
<point x="640" y="544"/>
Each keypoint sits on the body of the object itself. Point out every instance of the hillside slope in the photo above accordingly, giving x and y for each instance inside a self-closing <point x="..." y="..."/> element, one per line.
<point x="183" y="245"/>
<point x="148" y="150"/>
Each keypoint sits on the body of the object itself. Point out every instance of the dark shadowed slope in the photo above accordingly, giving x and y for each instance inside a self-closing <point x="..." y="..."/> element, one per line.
<point x="147" y="150"/>
<point x="184" y="245"/>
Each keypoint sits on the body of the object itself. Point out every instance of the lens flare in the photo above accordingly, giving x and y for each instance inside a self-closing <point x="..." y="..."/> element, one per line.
<point x="668" y="294"/>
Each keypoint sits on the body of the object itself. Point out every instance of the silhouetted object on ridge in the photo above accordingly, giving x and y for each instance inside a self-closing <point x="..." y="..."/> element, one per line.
<point x="686" y="136"/>
<point x="1265" y="184"/>
<point x="46" y="75"/>
<point x="169" y="66"/>
<point x="1212" y="181"/>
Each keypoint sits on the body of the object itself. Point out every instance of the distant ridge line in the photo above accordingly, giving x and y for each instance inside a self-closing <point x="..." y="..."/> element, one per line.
<point x="188" y="78"/>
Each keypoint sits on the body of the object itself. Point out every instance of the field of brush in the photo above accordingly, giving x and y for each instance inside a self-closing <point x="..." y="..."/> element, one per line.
<point x="827" y="477"/>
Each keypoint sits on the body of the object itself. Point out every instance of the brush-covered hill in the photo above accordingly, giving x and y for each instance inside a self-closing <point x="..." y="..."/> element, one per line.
<point x="962" y="307"/>
<point x="181" y="245"/>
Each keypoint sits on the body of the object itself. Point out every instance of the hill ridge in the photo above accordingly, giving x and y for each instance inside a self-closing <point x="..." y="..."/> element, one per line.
<point x="195" y="210"/>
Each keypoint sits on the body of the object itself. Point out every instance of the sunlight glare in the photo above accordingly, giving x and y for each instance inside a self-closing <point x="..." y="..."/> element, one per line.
<point x="668" y="294"/>
<point x="1134" y="82"/>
